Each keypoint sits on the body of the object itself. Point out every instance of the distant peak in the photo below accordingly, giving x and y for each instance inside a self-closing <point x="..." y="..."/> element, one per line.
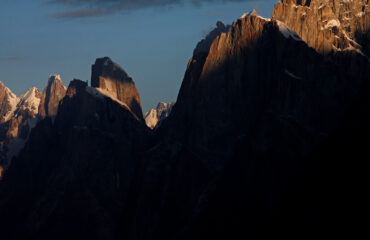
<point x="32" y="89"/>
<point x="31" y="92"/>
<point x="251" y="13"/>
<point x="54" y="77"/>
<point x="220" y="24"/>
<point x="161" y="104"/>
<point x="2" y="85"/>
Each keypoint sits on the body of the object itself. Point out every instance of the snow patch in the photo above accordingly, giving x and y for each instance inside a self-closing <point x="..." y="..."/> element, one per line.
<point x="292" y="75"/>
<point x="30" y="100"/>
<point x="287" y="33"/>
<point x="102" y="94"/>
<point x="332" y="23"/>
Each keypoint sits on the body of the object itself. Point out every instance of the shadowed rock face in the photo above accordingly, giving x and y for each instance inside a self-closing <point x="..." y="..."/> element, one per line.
<point x="110" y="77"/>
<point x="256" y="68"/>
<point x="51" y="96"/>
<point x="248" y="114"/>
<point x="72" y="178"/>
<point x="326" y="25"/>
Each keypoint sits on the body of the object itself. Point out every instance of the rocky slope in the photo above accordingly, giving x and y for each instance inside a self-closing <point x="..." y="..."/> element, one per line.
<point x="328" y="25"/>
<point x="155" y="116"/>
<point x="112" y="79"/>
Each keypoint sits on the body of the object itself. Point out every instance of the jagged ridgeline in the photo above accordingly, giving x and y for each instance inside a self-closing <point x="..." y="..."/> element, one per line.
<point x="18" y="115"/>
<point x="265" y="139"/>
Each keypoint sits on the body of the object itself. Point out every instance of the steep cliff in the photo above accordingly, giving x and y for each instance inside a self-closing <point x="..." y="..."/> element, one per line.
<point x="51" y="96"/>
<point x="108" y="76"/>
<point x="249" y="113"/>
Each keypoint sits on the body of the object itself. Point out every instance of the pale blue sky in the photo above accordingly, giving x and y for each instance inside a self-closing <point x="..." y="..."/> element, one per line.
<point x="153" y="44"/>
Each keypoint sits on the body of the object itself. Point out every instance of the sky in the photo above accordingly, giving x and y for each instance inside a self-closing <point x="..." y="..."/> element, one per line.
<point x="152" y="40"/>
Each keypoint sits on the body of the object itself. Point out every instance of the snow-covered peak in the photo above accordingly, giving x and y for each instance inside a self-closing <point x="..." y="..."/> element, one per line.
<point x="253" y="13"/>
<point x="154" y="116"/>
<point x="30" y="100"/>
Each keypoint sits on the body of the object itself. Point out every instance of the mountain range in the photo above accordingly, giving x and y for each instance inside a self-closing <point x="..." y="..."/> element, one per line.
<point x="18" y="115"/>
<point x="267" y="139"/>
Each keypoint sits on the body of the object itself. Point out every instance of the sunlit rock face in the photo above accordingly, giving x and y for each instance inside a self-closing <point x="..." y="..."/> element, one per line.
<point x="151" y="118"/>
<point x="154" y="117"/>
<point x="328" y="25"/>
<point x="205" y="44"/>
<point x="51" y="96"/>
<point x="8" y="103"/>
<point x="111" y="78"/>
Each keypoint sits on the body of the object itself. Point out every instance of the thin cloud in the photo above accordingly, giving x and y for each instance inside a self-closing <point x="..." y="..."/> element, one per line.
<point x="81" y="13"/>
<point x="93" y="8"/>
